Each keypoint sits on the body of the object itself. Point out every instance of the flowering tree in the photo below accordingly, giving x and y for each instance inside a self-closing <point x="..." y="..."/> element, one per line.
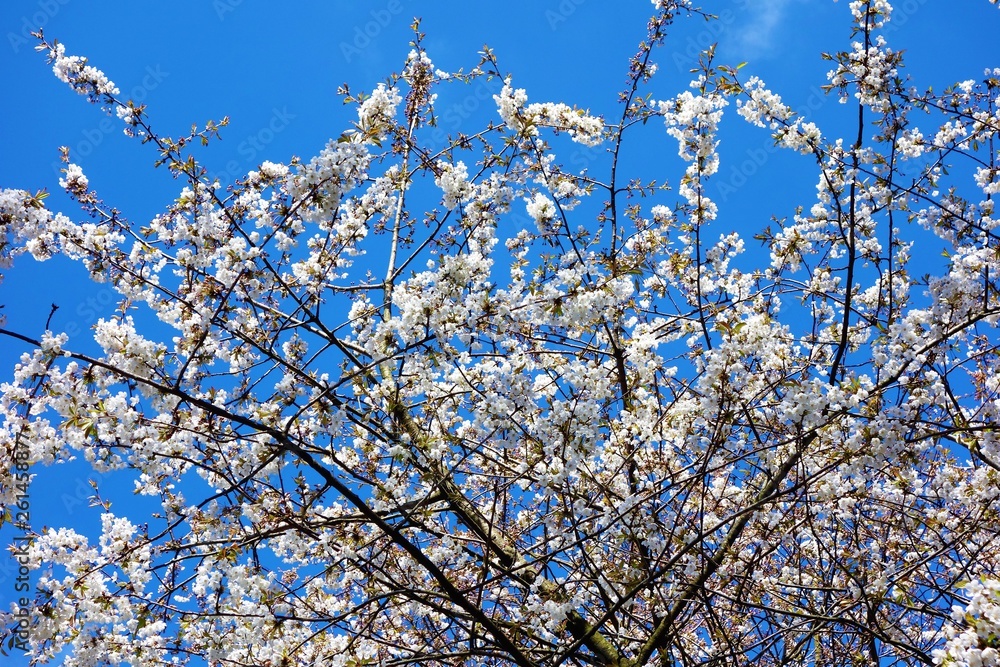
<point x="381" y="433"/>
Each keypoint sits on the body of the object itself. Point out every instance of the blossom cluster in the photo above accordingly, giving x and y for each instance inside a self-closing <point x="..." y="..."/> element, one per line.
<point x="404" y="402"/>
<point x="83" y="78"/>
<point x="527" y="118"/>
<point x="376" y="113"/>
<point x="764" y="108"/>
<point x="974" y="636"/>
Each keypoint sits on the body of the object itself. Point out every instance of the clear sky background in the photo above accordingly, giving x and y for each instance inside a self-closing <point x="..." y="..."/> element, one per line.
<point x="274" y="69"/>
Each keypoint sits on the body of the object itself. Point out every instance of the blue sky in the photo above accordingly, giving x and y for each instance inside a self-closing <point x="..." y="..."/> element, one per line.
<point x="275" y="72"/>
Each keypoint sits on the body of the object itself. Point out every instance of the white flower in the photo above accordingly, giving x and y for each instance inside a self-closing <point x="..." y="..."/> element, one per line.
<point x="377" y="111"/>
<point x="273" y="170"/>
<point x="83" y="78"/>
<point x="453" y="180"/>
<point x="694" y="120"/>
<point x="582" y="128"/>
<point x="542" y="210"/>
<point x="127" y="114"/>
<point x="764" y="108"/>
<point x="510" y="102"/>
<point x="74" y="181"/>
<point x="976" y="628"/>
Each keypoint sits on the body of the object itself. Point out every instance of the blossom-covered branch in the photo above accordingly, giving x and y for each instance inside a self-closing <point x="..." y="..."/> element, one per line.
<point x="381" y="430"/>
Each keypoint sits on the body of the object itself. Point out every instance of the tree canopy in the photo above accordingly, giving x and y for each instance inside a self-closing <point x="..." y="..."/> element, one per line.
<point x="414" y="402"/>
